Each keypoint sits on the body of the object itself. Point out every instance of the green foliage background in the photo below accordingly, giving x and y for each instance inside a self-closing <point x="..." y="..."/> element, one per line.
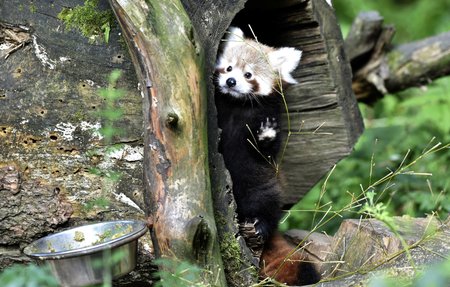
<point x="394" y="125"/>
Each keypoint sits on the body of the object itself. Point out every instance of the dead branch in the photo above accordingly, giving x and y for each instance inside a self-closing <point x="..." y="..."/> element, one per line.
<point x="380" y="68"/>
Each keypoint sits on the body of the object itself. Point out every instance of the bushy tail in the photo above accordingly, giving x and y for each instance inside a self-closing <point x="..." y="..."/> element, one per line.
<point x="281" y="263"/>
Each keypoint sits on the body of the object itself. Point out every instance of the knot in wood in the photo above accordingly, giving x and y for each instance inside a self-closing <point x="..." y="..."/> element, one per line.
<point x="172" y="120"/>
<point x="9" y="179"/>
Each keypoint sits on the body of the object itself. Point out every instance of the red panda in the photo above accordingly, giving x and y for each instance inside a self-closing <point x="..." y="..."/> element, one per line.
<point x="282" y="262"/>
<point x="248" y="74"/>
<point x="249" y="77"/>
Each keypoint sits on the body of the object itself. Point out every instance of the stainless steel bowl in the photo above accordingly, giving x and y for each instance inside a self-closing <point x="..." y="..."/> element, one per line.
<point x="90" y="254"/>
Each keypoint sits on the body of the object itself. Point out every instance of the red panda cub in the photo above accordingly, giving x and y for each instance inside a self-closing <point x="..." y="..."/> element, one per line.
<point x="248" y="76"/>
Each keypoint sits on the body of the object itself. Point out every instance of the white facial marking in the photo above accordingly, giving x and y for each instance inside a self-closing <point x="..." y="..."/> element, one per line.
<point x="268" y="66"/>
<point x="265" y="87"/>
<point x="242" y="86"/>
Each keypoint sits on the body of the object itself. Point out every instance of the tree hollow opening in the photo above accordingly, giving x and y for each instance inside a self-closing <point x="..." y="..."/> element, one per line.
<point x="275" y="23"/>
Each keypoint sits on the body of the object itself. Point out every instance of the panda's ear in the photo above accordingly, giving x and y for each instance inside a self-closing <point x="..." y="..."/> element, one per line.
<point x="234" y="37"/>
<point x="284" y="61"/>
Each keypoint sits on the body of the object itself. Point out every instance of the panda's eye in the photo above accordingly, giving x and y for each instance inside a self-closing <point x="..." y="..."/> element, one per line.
<point x="229" y="69"/>
<point x="248" y="75"/>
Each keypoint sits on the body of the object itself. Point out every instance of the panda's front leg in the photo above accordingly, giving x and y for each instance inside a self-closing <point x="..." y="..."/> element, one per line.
<point x="267" y="136"/>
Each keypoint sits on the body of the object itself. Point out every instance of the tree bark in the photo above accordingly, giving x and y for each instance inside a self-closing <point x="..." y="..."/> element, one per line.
<point x="379" y="68"/>
<point x="49" y="131"/>
<point x="323" y="95"/>
<point x="361" y="248"/>
<point x="365" y="249"/>
<point x="169" y="65"/>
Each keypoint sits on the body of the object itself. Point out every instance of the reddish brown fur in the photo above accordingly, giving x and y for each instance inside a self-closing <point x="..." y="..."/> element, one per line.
<point x="255" y="85"/>
<point x="296" y="270"/>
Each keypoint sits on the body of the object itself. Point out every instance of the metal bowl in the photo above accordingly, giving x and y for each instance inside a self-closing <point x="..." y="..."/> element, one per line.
<point x="90" y="254"/>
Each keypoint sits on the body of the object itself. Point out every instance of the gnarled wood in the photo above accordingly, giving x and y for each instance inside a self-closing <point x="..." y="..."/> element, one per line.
<point x="169" y="65"/>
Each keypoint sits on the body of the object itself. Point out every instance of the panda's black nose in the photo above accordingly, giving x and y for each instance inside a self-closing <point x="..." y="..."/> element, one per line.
<point x="231" y="82"/>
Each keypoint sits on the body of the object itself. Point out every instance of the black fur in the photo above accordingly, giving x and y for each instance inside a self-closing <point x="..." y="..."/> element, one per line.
<point x="256" y="187"/>
<point x="307" y="274"/>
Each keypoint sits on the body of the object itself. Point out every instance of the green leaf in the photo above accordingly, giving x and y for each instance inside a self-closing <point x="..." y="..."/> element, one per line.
<point x="111" y="94"/>
<point x="106" y="30"/>
<point x="111" y="114"/>
<point x="114" y="76"/>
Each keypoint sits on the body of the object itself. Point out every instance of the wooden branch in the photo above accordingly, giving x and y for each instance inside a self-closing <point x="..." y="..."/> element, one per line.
<point x="365" y="30"/>
<point x="379" y="69"/>
<point x="419" y="62"/>
<point x="163" y="47"/>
